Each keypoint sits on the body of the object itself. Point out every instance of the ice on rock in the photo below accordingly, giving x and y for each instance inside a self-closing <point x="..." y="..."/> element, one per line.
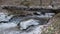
<point x="25" y="24"/>
<point x="5" y="17"/>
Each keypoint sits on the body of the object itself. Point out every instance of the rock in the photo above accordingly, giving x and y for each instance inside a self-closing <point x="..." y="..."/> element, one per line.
<point x="37" y="13"/>
<point x="26" y="24"/>
<point x="4" y="17"/>
<point x="53" y="26"/>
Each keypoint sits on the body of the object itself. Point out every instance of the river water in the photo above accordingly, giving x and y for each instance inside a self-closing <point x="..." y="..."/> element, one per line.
<point x="22" y="25"/>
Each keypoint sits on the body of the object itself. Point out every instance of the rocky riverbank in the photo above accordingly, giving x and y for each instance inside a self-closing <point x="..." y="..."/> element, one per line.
<point x="53" y="26"/>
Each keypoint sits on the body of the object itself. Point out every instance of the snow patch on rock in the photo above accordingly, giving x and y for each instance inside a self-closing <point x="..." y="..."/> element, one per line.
<point x="28" y="23"/>
<point x="5" y="17"/>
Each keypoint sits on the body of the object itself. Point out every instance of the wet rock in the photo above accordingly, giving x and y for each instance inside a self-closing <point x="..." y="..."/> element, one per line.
<point x="37" y="13"/>
<point x="4" y="22"/>
<point x="16" y="19"/>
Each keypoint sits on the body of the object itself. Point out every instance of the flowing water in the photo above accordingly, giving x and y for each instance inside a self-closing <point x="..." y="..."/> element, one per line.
<point x="23" y="25"/>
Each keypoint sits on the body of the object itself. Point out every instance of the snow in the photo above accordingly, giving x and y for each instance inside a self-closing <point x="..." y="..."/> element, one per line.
<point x="37" y="30"/>
<point x="50" y="6"/>
<point x="38" y="12"/>
<point x="28" y="23"/>
<point x="13" y="32"/>
<point x="7" y="25"/>
<point x="5" y="17"/>
<point x="50" y="14"/>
